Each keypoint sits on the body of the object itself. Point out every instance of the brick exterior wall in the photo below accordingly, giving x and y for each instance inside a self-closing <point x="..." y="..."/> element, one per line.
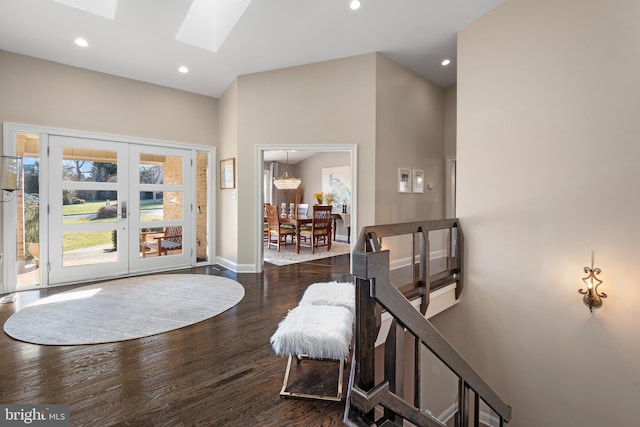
<point x="172" y="175"/>
<point x="202" y="190"/>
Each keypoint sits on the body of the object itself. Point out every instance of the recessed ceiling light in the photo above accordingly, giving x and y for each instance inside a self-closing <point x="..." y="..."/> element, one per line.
<point x="183" y="69"/>
<point x="445" y="62"/>
<point x="354" y="5"/>
<point x="81" y="42"/>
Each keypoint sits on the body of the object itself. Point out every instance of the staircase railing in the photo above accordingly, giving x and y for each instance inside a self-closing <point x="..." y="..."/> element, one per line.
<point x="370" y="403"/>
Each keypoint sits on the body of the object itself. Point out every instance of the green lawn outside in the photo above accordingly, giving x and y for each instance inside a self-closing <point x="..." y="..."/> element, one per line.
<point x="113" y="220"/>
<point x="93" y="207"/>
<point x="72" y="241"/>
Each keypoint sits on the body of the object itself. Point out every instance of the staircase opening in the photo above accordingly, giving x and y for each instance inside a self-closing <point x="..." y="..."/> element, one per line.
<point x="397" y="316"/>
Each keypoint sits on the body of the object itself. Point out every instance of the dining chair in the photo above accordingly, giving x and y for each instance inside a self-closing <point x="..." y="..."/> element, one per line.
<point x="320" y="229"/>
<point x="158" y="243"/>
<point x="265" y="225"/>
<point x="302" y="210"/>
<point x="275" y="230"/>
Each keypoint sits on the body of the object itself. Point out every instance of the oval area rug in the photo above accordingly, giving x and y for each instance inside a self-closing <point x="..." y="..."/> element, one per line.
<point x="124" y="309"/>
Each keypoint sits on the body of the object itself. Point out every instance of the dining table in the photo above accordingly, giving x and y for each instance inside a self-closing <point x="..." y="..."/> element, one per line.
<point x="297" y="221"/>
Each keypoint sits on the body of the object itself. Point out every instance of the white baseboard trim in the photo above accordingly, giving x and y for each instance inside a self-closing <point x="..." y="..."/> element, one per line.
<point x="485" y="417"/>
<point x="235" y="267"/>
<point x="394" y="264"/>
<point x="245" y="268"/>
<point x="448" y="413"/>
<point x="405" y="262"/>
<point x="228" y="264"/>
<point x="341" y="237"/>
<point x="440" y="300"/>
<point x="489" y="419"/>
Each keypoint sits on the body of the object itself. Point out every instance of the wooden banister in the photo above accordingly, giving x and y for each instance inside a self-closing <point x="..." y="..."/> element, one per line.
<point x="374" y="293"/>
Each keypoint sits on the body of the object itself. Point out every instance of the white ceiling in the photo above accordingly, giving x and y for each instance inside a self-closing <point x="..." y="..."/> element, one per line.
<point x="140" y="42"/>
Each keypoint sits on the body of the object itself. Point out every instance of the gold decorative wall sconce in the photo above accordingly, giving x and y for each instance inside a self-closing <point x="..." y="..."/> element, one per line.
<point x="592" y="298"/>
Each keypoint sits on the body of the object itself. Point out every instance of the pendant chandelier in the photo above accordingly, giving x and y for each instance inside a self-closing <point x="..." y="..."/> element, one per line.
<point x="286" y="182"/>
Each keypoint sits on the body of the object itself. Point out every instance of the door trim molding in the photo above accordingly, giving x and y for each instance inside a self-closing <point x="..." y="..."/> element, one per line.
<point x="8" y="283"/>
<point x="352" y="149"/>
<point x="450" y="186"/>
<point x="11" y="127"/>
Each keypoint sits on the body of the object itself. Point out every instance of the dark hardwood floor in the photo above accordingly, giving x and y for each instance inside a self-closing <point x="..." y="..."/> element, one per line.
<point x="220" y="372"/>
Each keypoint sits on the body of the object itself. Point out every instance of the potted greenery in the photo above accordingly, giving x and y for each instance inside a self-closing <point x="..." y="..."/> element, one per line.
<point x="32" y="229"/>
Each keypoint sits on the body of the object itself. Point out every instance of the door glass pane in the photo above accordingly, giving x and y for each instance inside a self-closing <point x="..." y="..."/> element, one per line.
<point x="28" y="210"/>
<point x="151" y="206"/>
<point x="155" y="169"/>
<point x="202" y="172"/>
<point x="89" y="247"/>
<point x="159" y="206"/>
<point x="160" y="241"/>
<point x="86" y="165"/>
<point x="88" y="238"/>
<point x="81" y="211"/>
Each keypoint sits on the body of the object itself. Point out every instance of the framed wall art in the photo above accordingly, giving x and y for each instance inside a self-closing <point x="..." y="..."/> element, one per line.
<point x="404" y="180"/>
<point x="337" y="182"/>
<point x="418" y="181"/>
<point x="228" y="173"/>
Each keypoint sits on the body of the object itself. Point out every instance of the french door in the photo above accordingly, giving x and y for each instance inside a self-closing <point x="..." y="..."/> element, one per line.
<point x="110" y="206"/>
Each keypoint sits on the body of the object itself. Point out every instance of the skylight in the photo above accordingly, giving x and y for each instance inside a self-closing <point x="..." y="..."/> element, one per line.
<point x="209" y="22"/>
<point x="104" y="8"/>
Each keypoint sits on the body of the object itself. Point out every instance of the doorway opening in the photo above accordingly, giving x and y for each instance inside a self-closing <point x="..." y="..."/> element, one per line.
<point x="330" y="170"/>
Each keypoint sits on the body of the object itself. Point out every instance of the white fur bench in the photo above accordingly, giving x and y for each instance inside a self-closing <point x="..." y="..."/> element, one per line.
<point x="340" y="294"/>
<point x="321" y="328"/>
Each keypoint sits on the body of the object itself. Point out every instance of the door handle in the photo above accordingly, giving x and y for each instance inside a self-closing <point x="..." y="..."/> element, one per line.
<point x="124" y="209"/>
